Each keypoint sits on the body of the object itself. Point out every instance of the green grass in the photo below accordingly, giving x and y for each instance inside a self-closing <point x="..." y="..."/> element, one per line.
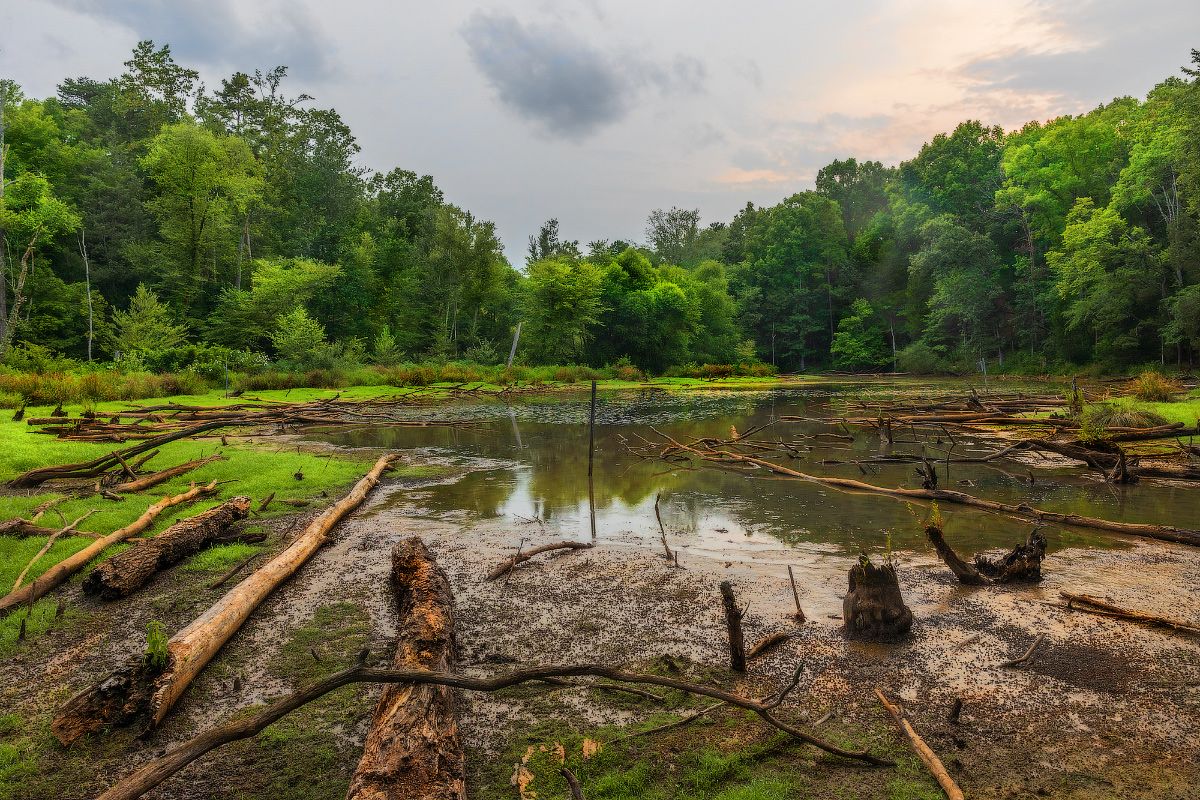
<point x="1185" y="410"/>
<point x="221" y="557"/>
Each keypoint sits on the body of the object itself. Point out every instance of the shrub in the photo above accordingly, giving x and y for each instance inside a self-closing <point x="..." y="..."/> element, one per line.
<point x="156" y="655"/>
<point x="208" y="360"/>
<point x="384" y="349"/>
<point x="921" y="359"/>
<point x="1110" y="415"/>
<point x="1154" y="387"/>
<point x="29" y="357"/>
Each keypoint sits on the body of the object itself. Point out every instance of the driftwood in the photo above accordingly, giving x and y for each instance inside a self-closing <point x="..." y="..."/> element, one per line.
<point x="132" y="692"/>
<point x="126" y="572"/>
<point x="242" y="726"/>
<point x="927" y="756"/>
<point x="64" y="569"/>
<point x="1166" y="533"/>
<point x="50" y="540"/>
<point x="1021" y="659"/>
<point x="769" y="642"/>
<point x="521" y="557"/>
<point x="1094" y="605"/>
<point x="1022" y="563"/>
<point x="98" y="466"/>
<point x="413" y="749"/>
<point x="23" y="528"/>
<point x="873" y="607"/>
<point x="147" y="481"/>
<point x="799" y="615"/>
<point x="965" y="572"/>
<point x="733" y="625"/>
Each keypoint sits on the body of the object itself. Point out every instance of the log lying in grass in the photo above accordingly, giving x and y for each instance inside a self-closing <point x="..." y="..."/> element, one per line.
<point x="147" y="481"/>
<point x="23" y="529"/>
<point x="131" y="692"/>
<point x="98" y="466"/>
<point x="242" y="726"/>
<point x="923" y="751"/>
<point x="520" y="558"/>
<point x="126" y="572"/>
<point x="64" y="569"/>
<point x="413" y="750"/>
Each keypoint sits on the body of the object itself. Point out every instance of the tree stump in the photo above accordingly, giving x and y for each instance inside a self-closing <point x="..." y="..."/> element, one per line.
<point x="1022" y="563"/>
<point x="131" y="569"/>
<point x="413" y="751"/>
<point x="873" y="607"/>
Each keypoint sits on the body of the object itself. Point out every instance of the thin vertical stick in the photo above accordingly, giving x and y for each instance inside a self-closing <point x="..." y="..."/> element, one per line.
<point x="591" y="458"/>
<point x="733" y="621"/>
<point x="796" y="595"/>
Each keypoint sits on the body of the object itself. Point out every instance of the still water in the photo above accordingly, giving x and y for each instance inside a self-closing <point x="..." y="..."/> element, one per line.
<point x="527" y="460"/>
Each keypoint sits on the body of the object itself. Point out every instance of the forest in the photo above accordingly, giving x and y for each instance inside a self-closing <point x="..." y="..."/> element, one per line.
<point x="151" y="223"/>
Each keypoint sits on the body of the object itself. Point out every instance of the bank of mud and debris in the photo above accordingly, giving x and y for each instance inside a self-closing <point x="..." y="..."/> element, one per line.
<point x="1102" y="707"/>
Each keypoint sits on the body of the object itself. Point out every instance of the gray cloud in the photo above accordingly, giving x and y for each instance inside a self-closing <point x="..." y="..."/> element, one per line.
<point x="1104" y="69"/>
<point x="210" y="32"/>
<point x="561" y="82"/>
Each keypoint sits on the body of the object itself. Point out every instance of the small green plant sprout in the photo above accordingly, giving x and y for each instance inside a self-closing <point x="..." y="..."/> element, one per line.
<point x="156" y="646"/>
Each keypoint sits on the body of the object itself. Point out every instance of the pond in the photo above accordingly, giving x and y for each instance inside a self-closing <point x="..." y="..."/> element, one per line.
<point x="526" y="462"/>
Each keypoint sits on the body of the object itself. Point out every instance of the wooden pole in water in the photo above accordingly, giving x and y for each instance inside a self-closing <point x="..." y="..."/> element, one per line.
<point x="591" y="458"/>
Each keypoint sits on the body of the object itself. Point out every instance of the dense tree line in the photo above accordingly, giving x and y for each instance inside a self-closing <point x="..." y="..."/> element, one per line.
<point x="148" y="214"/>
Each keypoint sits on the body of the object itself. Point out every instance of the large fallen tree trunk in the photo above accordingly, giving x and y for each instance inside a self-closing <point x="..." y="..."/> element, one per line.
<point x="147" y="481"/>
<point x="413" y="751"/>
<point x="155" y="772"/>
<point x="1166" y="533"/>
<point x="126" y="572"/>
<point x="133" y="692"/>
<point x="64" y="569"/>
<point x="98" y="466"/>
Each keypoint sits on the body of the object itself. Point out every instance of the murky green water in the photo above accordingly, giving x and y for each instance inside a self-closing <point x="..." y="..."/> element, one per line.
<point x="529" y="462"/>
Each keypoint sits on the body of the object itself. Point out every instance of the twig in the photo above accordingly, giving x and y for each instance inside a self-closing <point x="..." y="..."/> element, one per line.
<point x="234" y="571"/>
<point x="1016" y="662"/>
<point x="507" y="566"/>
<point x="767" y="643"/>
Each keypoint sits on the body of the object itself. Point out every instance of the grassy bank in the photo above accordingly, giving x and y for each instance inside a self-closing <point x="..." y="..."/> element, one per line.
<point x="249" y="468"/>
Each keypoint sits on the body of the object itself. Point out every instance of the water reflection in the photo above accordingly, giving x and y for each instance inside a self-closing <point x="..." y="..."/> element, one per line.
<point x="530" y="462"/>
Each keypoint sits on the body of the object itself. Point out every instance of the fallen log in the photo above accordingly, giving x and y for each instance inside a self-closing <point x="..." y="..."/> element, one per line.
<point x="242" y="726"/>
<point x="413" y="750"/>
<point x="64" y="569"/>
<point x="520" y="558"/>
<point x="962" y="570"/>
<point x="1094" y="605"/>
<point x="147" y="481"/>
<point x="97" y="466"/>
<point x="1167" y="533"/>
<point x="23" y="528"/>
<point x="923" y="751"/>
<point x="132" y="691"/>
<point x="124" y="573"/>
<point x="50" y="540"/>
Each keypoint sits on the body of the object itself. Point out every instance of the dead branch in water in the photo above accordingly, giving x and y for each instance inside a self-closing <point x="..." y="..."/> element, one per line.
<point x="242" y="727"/>
<point x="721" y="457"/>
<point x="767" y="643"/>
<point x="520" y="558"/>
<point x="923" y="751"/>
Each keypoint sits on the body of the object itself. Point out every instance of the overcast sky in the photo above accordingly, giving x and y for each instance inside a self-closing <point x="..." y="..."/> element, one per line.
<point x="596" y="111"/>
